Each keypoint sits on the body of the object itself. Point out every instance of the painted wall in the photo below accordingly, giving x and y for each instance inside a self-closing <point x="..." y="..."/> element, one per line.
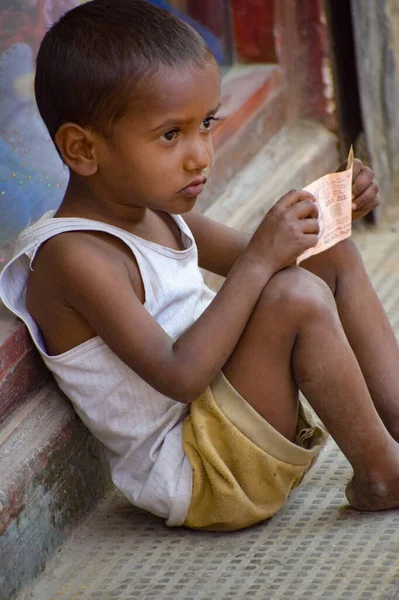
<point x="32" y="177"/>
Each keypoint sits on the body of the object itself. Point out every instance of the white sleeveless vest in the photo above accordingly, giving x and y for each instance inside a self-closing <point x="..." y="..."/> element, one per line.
<point x="140" y="428"/>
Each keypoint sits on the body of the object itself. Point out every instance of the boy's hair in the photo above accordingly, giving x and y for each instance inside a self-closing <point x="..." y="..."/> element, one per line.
<point x="90" y="62"/>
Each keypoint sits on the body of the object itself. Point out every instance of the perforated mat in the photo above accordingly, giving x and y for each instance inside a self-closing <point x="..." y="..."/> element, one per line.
<point x="315" y="548"/>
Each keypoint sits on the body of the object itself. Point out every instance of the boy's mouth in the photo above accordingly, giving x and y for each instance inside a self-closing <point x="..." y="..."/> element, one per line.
<point x="195" y="187"/>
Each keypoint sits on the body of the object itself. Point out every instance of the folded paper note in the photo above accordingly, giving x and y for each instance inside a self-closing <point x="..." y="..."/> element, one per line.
<point x="333" y="195"/>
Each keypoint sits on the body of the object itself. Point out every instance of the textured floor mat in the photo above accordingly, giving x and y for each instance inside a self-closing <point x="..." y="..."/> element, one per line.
<point x="316" y="547"/>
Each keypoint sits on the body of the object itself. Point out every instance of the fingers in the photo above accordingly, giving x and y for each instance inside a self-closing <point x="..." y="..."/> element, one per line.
<point x="310" y="226"/>
<point x="366" y="202"/>
<point x="357" y="167"/>
<point x="306" y="209"/>
<point x="294" y="196"/>
<point x="311" y="240"/>
<point x="365" y="191"/>
<point x="363" y="180"/>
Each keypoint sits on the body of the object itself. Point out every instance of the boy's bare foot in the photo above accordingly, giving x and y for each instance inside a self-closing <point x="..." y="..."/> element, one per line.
<point x="373" y="497"/>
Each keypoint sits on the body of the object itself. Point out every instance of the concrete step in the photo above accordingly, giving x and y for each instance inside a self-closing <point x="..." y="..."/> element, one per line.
<point x="52" y="473"/>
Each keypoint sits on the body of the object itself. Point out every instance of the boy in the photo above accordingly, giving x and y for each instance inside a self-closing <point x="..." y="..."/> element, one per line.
<point x="194" y="395"/>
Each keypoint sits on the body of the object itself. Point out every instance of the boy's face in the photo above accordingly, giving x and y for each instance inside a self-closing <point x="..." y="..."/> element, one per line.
<point x="161" y="150"/>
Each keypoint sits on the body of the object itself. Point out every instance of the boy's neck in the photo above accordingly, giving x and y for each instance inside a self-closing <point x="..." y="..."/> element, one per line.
<point x="80" y="201"/>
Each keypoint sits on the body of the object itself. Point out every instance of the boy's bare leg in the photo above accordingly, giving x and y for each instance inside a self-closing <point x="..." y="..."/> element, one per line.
<point x="366" y="326"/>
<point x="295" y="339"/>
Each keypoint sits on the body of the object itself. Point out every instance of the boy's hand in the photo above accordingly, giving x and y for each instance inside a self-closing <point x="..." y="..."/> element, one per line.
<point x="288" y="229"/>
<point x="365" y="190"/>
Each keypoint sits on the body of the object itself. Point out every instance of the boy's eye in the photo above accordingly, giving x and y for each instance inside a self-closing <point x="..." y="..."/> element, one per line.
<point x="170" y="136"/>
<point x="207" y="123"/>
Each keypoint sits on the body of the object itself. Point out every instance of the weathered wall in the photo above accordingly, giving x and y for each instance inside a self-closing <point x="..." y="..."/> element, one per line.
<point x="376" y="28"/>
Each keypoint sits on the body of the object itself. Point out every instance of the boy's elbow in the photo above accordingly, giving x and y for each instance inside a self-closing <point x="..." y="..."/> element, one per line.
<point x="185" y="390"/>
<point x="182" y="398"/>
<point x="181" y="380"/>
<point x="185" y="395"/>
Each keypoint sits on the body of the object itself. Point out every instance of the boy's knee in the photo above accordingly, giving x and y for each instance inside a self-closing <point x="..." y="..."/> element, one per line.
<point x="296" y="292"/>
<point x="345" y="253"/>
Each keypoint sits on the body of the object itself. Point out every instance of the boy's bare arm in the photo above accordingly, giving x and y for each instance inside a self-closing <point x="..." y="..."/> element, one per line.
<point x="100" y="290"/>
<point x="219" y="246"/>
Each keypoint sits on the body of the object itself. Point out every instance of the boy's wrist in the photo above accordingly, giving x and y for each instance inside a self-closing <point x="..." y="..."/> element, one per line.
<point x="251" y="267"/>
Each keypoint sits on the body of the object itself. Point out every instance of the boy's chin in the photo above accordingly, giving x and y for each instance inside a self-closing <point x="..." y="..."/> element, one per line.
<point x="179" y="208"/>
<point x="189" y="206"/>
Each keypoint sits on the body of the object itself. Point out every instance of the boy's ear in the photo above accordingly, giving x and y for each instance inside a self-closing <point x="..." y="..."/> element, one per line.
<point x="77" y="148"/>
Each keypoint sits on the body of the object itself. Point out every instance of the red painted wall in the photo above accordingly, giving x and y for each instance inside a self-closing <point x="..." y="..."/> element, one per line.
<point x="253" y="27"/>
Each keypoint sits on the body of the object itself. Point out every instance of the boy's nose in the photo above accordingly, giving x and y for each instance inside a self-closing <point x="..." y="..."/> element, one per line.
<point x="198" y="159"/>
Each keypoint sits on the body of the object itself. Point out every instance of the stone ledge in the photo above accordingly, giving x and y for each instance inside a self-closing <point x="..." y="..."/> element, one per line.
<point x="22" y="372"/>
<point x="52" y="473"/>
<point x="14" y="341"/>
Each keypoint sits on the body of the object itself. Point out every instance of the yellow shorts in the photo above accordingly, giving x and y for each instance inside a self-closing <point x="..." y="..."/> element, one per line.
<point x="243" y="469"/>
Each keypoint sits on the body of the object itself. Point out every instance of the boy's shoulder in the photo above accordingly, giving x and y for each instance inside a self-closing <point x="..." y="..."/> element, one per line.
<point x="80" y="245"/>
<point x="70" y="248"/>
<point x="74" y="276"/>
<point x="78" y="257"/>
